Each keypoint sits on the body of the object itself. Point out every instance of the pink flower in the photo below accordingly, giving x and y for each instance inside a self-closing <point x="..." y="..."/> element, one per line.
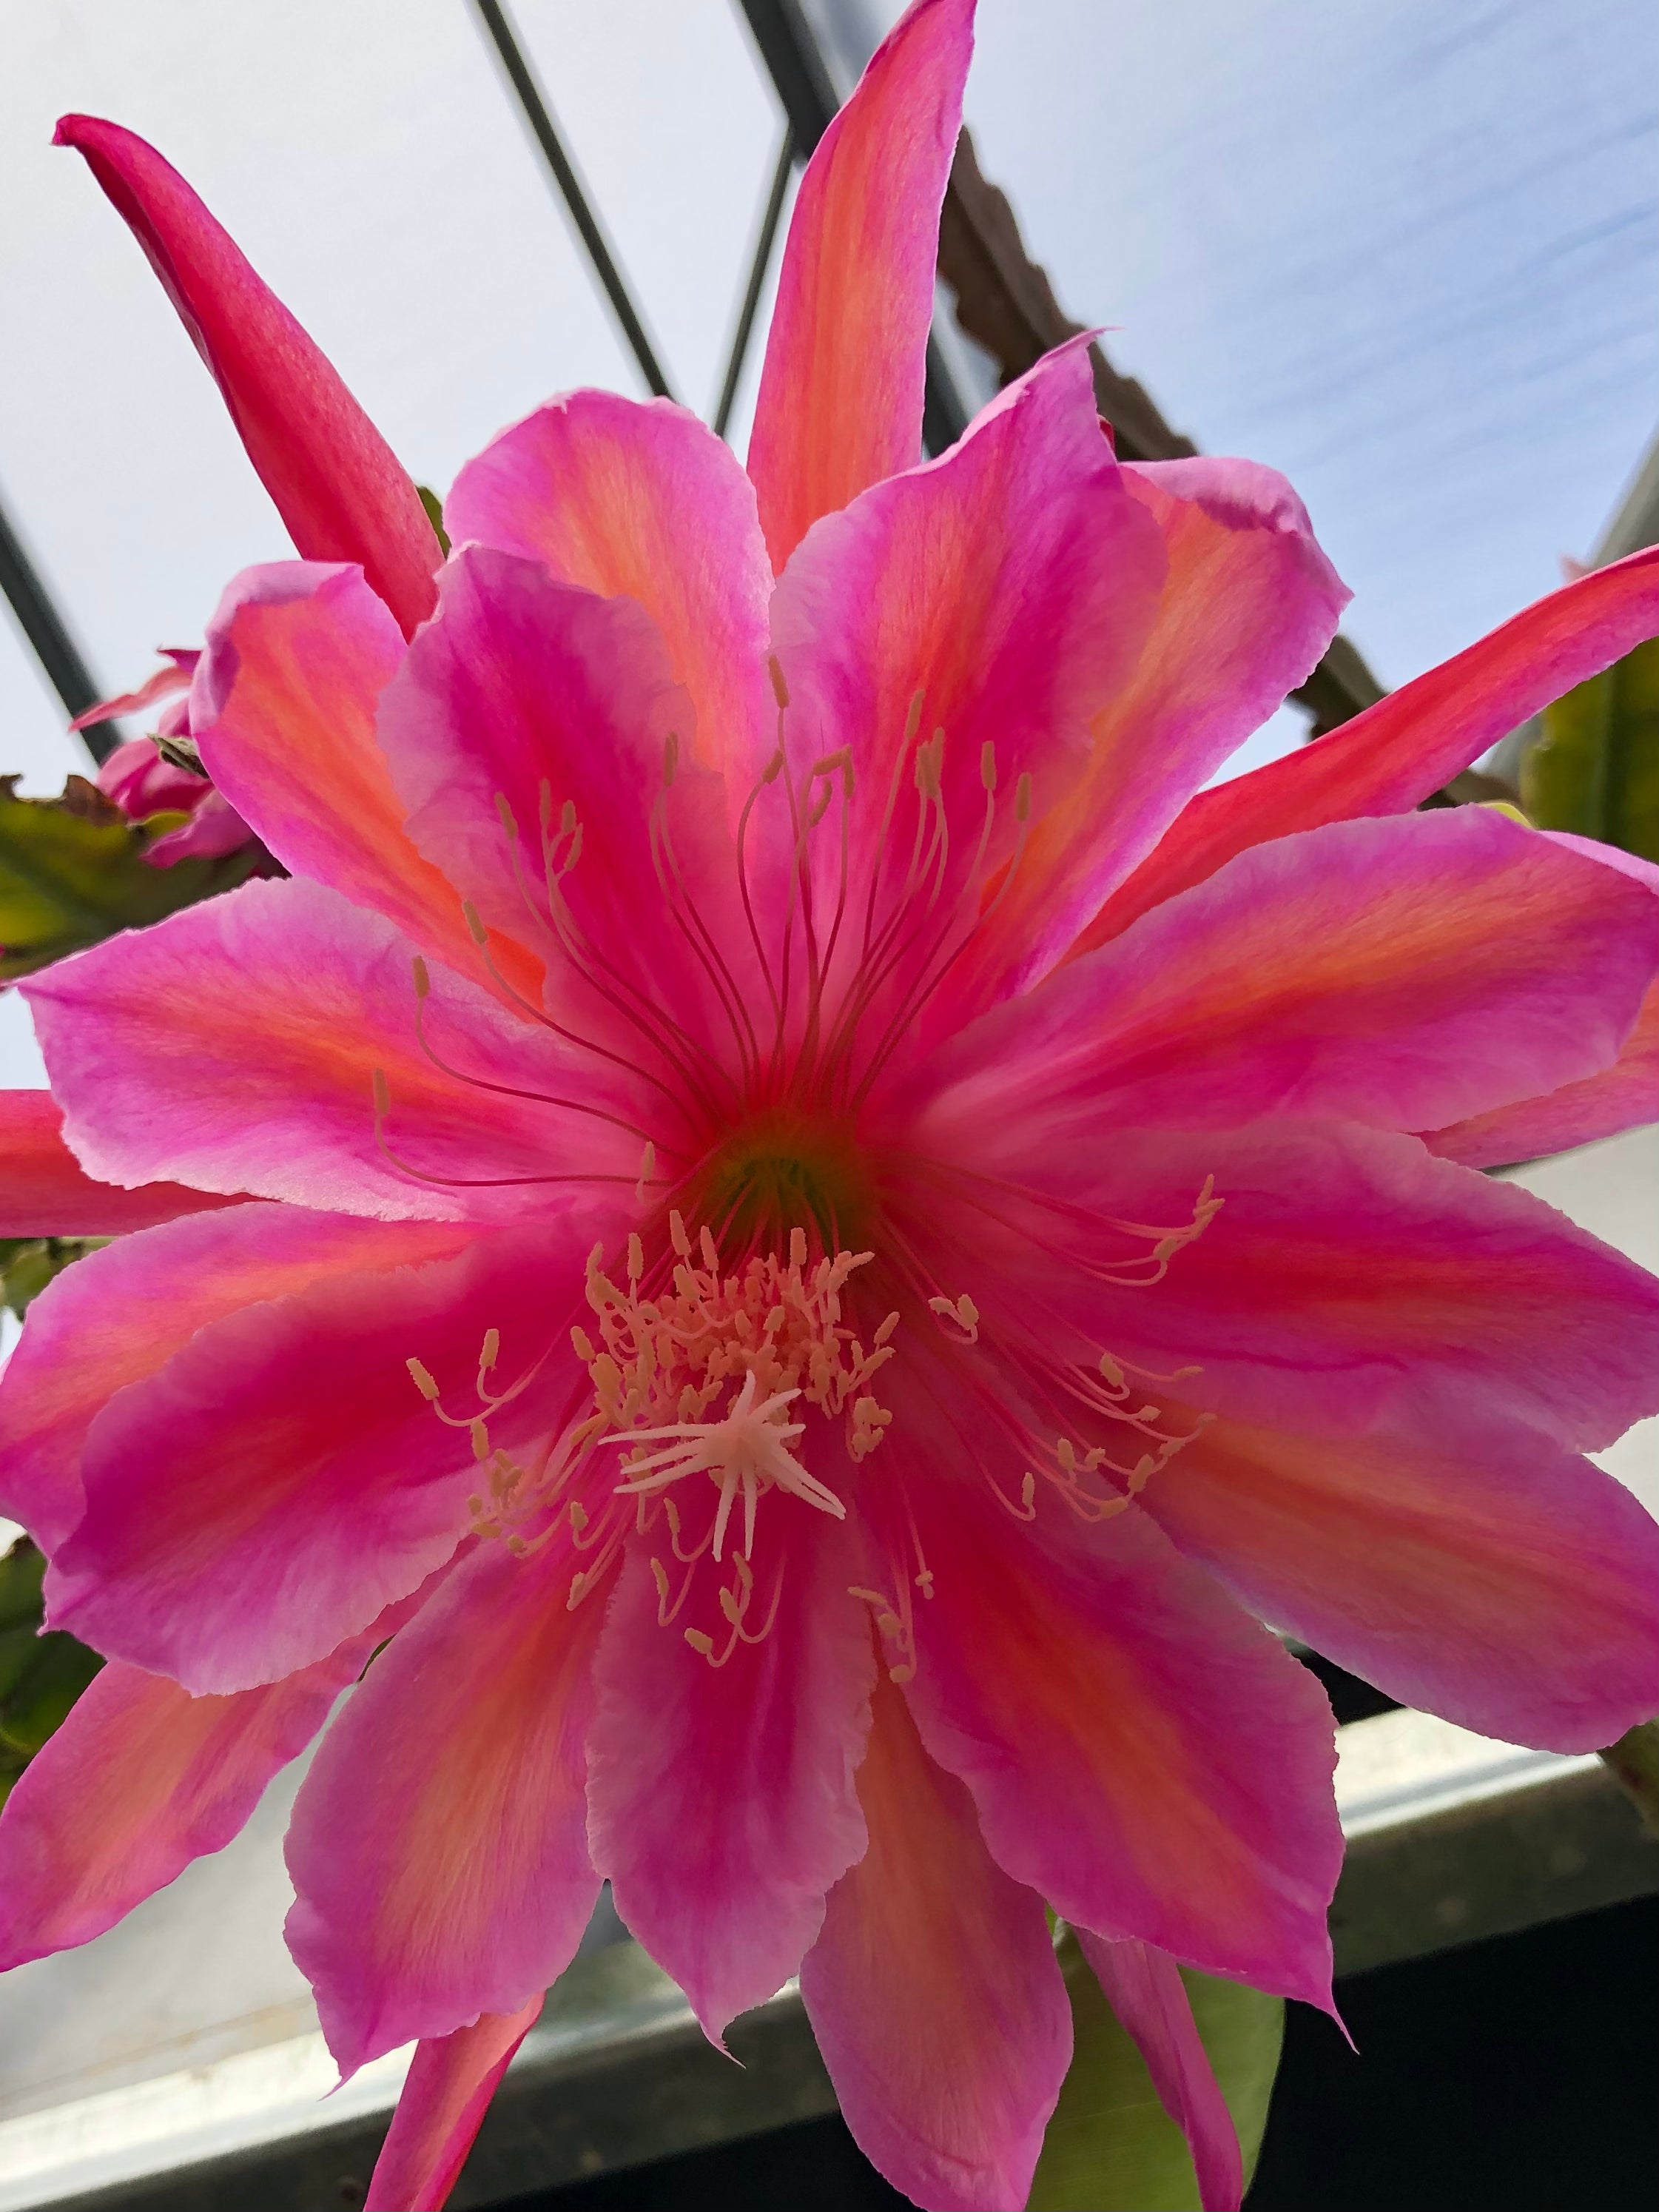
<point x="139" y="778"/>
<point x="820" y="1238"/>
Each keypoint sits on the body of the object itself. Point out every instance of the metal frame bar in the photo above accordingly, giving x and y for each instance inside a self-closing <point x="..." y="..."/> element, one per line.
<point x="540" y="117"/>
<point x="54" y="648"/>
<point x="757" y="269"/>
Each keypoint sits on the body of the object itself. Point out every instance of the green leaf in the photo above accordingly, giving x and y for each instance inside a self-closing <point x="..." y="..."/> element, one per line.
<point x="1595" y="768"/>
<point x="73" y="872"/>
<point x="435" y="515"/>
<point x="40" y="1676"/>
<point x="28" y="1264"/>
<point x="1111" y="2146"/>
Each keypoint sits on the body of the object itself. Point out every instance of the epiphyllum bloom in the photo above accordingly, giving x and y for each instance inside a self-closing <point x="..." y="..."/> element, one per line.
<point x="817" y="1235"/>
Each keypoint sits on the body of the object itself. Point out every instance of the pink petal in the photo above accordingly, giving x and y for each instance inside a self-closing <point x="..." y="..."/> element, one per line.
<point x="438" y="1845"/>
<point x="173" y="677"/>
<point x="140" y="1779"/>
<point x="1145" y="1989"/>
<point x="562" y="706"/>
<point x="1350" y="1281"/>
<point x="933" y="1990"/>
<point x="281" y="1478"/>
<point x="283" y="707"/>
<point x="45" y="1191"/>
<point x="1141" y="1754"/>
<point x="444" y="2097"/>
<point x="235" y="1044"/>
<point x="1400" y="973"/>
<point x="1623" y="1096"/>
<point x="642" y="502"/>
<point x="721" y="1800"/>
<point x="1013" y="584"/>
<point x="1395" y="755"/>
<point x="214" y="830"/>
<point x="840" y="392"/>
<point x="1481" y="1574"/>
<point x="336" y="482"/>
<point x="119" y="1315"/>
<point x="1248" y="604"/>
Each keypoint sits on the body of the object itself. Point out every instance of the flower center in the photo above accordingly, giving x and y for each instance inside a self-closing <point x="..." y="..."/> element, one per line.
<point x="709" y="1367"/>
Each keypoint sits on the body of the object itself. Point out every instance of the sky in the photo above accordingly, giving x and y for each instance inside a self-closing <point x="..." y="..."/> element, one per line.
<point x="1406" y="252"/>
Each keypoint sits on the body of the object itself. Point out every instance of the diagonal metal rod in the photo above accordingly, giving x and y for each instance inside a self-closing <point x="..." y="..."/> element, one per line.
<point x="763" y="244"/>
<point x="54" y="648"/>
<point x="540" y="119"/>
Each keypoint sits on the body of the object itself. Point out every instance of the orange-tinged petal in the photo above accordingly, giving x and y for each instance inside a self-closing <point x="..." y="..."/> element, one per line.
<point x="840" y="394"/>
<point x="334" y="481"/>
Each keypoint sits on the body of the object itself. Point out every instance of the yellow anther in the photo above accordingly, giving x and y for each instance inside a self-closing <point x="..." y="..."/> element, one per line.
<point x="1028" y="1492"/>
<point x="676" y="1232"/>
<point x="578" y="1516"/>
<point x="711" y="1257"/>
<point x="912" y="719"/>
<point x="635" y="1257"/>
<point x="1111" y="1372"/>
<point x="423" y="1382"/>
<point x="660" y="1576"/>
<point x="647" y="1171"/>
<point x="671" y="757"/>
<point x="780" y="689"/>
<point x="476" y="929"/>
<point x="567" y="818"/>
<point x="509" y="820"/>
<point x="988" y="765"/>
<point x="703" y="1645"/>
<point x="773" y="768"/>
<point x="582" y="1344"/>
<point x="1023" y="798"/>
<point x="545" y="805"/>
<point x="480" y="1435"/>
<point x="886" y="1328"/>
<point x="490" y="1350"/>
<point x="382" y="1093"/>
<point x="422" y="981"/>
<point x="578" y="1589"/>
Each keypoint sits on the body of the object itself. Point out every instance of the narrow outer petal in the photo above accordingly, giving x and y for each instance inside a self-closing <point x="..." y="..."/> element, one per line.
<point x="140" y="1779"/>
<point x="120" y="1314"/>
<point x="722" y="1802"/>
<point x="445" y="2098"/>
<point x="438" y="1848"/>
<point x="1481" y="1574"/>
<point x="840" y="394"/>
<point x="642" y="501"/>
<point x="934" y="1992"/>
<point x="45" y="1192"/>
<point x="336" y="482"/>
<point x="1394" y="972"/>
<point x="1141" y="1754"/>
<point x="1145" y="1989"/>
<point x="282" y="1479"/>
<point x="237" y="1042"/>
<point x="1399" y="751"/>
